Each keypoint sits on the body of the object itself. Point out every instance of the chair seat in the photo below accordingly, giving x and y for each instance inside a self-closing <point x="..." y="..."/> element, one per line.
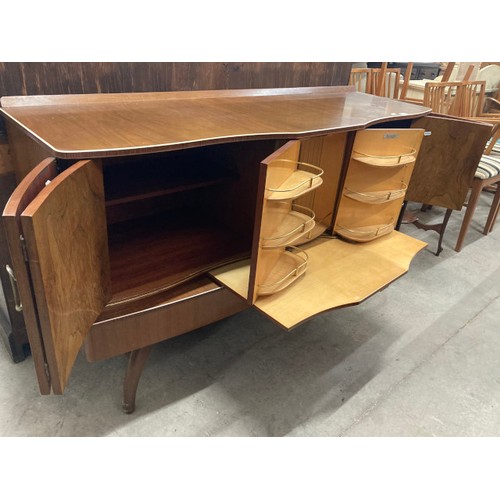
<point x="488" y="167"/>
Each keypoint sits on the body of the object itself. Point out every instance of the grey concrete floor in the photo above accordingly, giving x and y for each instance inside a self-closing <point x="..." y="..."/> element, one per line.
<point x="421" y="358"/>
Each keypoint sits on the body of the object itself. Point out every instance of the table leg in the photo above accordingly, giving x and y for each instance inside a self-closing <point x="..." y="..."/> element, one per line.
<point x="136" y="362"/>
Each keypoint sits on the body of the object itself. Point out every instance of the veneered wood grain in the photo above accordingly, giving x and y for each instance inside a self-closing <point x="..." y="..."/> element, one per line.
<point x="65" y="232"/>
<point x="197" y="304"/>
<point x="22" y="196"/>
<point x="24" y="152"/>
<point x="447" y="161"/>
<point x="102" y="125"/>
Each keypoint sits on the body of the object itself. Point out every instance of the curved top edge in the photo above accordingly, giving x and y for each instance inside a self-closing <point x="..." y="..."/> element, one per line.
<point x="89" y="126"/>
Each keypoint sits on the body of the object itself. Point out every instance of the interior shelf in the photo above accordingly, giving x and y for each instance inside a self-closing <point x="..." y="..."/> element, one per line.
<point x="155" y="253"/>
<point x="376" y="197"/>
<point x="291" y="264"/>
<point x="286" y="223"/>
<point x="292" y="183"/>
<point x="364" y="233"/>
<point x="128" y="183"/>
<point x="402" y="158"/>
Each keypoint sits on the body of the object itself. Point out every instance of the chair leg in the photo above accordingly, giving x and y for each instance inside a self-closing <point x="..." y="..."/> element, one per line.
<point x="477" y="186"/>
<point x="492" y="216"/>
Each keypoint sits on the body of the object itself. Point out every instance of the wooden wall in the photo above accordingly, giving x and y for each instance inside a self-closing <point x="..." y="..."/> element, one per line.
<point x="91" y="77"/>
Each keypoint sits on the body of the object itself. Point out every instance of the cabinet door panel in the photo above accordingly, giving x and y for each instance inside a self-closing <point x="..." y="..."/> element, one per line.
<point x="22" y="196"/>
<point x="447" y="161"/>
<point x="284" y="161"/>
<point x="66" y="238"/>
<point x="377" y="177"/>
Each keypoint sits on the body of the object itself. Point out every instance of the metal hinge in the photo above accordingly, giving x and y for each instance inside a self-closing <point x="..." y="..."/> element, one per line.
<point x="24" y="248"/>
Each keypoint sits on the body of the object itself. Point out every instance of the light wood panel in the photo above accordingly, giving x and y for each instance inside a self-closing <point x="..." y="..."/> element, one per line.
<point x="264" y="260"/>
<point x="368" y="174"/>
<point x="106" y="125"/>
<point x="338" y="274"/>
<point x="66" y="238"/>
<point x="326" y="152"/>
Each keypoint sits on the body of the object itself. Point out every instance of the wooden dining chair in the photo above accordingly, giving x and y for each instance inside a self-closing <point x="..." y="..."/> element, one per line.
<point x="361" y="78"/>
<point x="386" y="82"/>
<point x="471" y="99"/>
<point x="487" y="175"/>
<point x="406" y="81"/>
<point x="443" y="97"/>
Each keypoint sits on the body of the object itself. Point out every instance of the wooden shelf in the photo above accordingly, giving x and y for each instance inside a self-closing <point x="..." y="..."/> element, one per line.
<point x="376" y="197"/>
<point x="289" y="267"/>
<point x="399" y="159"/>
<point x="155" y="253"/>
<point x="365" y="233"/>
<point x="136" y="181"/>
<point x="286" y="223"/>
<point x="292" y="183"/>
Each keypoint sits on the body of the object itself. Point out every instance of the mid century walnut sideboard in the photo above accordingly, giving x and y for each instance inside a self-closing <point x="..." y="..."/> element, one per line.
<point x="142" y="216"/>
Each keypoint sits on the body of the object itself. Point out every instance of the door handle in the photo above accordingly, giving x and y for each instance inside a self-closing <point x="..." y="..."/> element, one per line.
<point x="15" y="292"/>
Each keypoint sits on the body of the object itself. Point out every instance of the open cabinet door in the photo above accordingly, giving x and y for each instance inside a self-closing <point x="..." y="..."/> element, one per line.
<point x="448" y="160"/>
<point x="22" y="196"/>
<point x="64" y="229"/>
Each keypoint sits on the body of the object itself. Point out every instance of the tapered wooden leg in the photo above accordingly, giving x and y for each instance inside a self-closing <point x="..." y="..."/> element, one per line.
<point x="492" y="216"/>
<point x="136" y="362"/>
<point x="469" y="212"/>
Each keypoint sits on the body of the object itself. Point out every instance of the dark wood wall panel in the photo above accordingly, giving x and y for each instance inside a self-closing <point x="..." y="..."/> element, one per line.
<point x="89" y="77"/>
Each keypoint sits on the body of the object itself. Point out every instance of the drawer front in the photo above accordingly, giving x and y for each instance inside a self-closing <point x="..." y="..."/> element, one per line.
<point x="163" y="321"/>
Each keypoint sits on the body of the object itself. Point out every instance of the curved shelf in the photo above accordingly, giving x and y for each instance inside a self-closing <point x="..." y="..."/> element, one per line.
<point x="288" y="223"/>
<point x="376" y="197"/>
<point x="386" y="161"/>
<point x="291" y="265"/>
<point x="365" y="233"/>
<point x="303" y="179"/>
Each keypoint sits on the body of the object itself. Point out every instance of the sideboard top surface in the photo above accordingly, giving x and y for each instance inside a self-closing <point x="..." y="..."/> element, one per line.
<point x="102" y="125"/>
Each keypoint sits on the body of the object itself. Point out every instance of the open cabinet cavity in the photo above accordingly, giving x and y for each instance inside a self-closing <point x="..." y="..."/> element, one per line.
<point x="175" y="216"/>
